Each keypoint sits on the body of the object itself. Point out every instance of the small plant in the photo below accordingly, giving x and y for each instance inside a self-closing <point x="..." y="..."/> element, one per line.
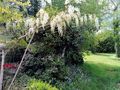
<point x="40" y="85"/>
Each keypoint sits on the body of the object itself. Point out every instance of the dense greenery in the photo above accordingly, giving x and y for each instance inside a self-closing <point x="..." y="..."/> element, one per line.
<point x="39" y="85"/>
<point x="57" y="35"/>
<point x="100" y="72"/>
<point x="117" y="37"/>
<point x="50" y="54"/>
<point x="105" y="42"/>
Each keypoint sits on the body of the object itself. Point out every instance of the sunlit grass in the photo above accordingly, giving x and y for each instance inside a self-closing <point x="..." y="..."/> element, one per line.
<point x="101" y="72"/>
<point x="105" y="70"/>
<point x="107" y="59"/>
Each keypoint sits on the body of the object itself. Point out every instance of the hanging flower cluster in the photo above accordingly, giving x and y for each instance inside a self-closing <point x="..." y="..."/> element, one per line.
<point x="60" y="21"/>
<point x="64" y="18"/>
<point x="30" y="25"/>
<point x="33" y="24"/>
<point x="42" y="18"/>
<point x="44" y="3"/>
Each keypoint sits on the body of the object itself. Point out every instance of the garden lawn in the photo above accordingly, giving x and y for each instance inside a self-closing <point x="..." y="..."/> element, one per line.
<point x="102" y="72"/>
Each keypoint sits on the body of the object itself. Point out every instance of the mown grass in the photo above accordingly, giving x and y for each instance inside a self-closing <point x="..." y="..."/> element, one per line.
<point x="101" y="72"/>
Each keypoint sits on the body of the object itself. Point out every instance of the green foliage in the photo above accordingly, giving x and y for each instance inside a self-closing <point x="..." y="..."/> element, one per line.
<point x="51" y="55"/>
<point x="100" y="72"/>
<point x="101" y="36"/>
<point x="39" y="85"/>
<point x="22" y="43"/>
<point x="105" y="42"/>
<point x="92" y="7"/>
<point x="16" y="50"/>
<point x="20" y="82"/>
<point x="59" y="4"/>
<point x="104" y="70"/>
<point x="47" y="68"/>
<point x="10" y="12"/>
<point x="52" y="11"/>
<point x="117" y="36"/>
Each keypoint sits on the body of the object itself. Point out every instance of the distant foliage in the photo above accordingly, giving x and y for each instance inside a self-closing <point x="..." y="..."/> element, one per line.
<point x="105" y="42"/>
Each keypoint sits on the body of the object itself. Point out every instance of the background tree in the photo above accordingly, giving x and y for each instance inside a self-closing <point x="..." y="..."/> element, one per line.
<point x="111" y="14"/>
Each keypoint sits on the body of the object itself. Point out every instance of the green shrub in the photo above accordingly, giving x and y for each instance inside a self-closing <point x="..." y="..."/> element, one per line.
<point x="40" y="85"/>
<point x="49" y="68"/>
<point x="16" y="51"/>
<point x="105" y="42"/>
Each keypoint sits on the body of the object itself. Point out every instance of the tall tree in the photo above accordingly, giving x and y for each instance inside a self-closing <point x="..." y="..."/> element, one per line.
<point x="116" y="25"/>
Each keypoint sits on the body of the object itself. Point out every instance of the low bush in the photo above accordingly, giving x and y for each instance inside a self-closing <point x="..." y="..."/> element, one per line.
<point x="39" y="85"/>
<point x="105" y="42"/>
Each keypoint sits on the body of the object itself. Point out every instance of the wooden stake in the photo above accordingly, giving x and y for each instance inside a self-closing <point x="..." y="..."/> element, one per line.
<point x="2" y="69"/>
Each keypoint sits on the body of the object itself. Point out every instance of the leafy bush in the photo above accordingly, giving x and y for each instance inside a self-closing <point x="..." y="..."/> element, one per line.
<point x="20" y="82"/>
<point x="46" y="68"/>
<point x="105" y="42"/>
<point x="40" y="85"/>
<point x="16" y="51"/>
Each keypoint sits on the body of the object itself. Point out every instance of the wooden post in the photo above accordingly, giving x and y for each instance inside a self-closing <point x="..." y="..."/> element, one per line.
<point x="2" y="65"/>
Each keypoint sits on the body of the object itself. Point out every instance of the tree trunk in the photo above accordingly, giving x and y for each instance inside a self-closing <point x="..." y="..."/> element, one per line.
<point x="117" y="36"/>
<point x="117" y="49"/>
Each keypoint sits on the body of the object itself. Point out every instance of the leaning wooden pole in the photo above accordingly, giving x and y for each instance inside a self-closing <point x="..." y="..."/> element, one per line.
<point x="2" y="65"/>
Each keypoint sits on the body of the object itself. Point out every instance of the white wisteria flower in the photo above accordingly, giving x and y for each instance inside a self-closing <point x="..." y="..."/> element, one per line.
<point x="77" y="10"/>
<point x="49" y="2"/>
<point x="29" y="23"/>
<point x="58" y="22"/>
<point x="42" y="18"/>
<point x="60" y="29"/>
<point x="81" y="20"/>
<point x="85" y="18"/>
<point x="78" y="1"/>
<point x="53" y="25"/>
<point x="76" y="18"/>
<point x="37" y="22"/>
<point x="43" y="4"/>
<point x="71" y="9"/>
<point x="97" y="23"/>
<point x="90" y="17"/>
<point x="31" y="30"/>
<point x="68" y="18"/>
<point x="14" y="25"/>
<point x="61" y="20"/>
<point x="67" y="2"/>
